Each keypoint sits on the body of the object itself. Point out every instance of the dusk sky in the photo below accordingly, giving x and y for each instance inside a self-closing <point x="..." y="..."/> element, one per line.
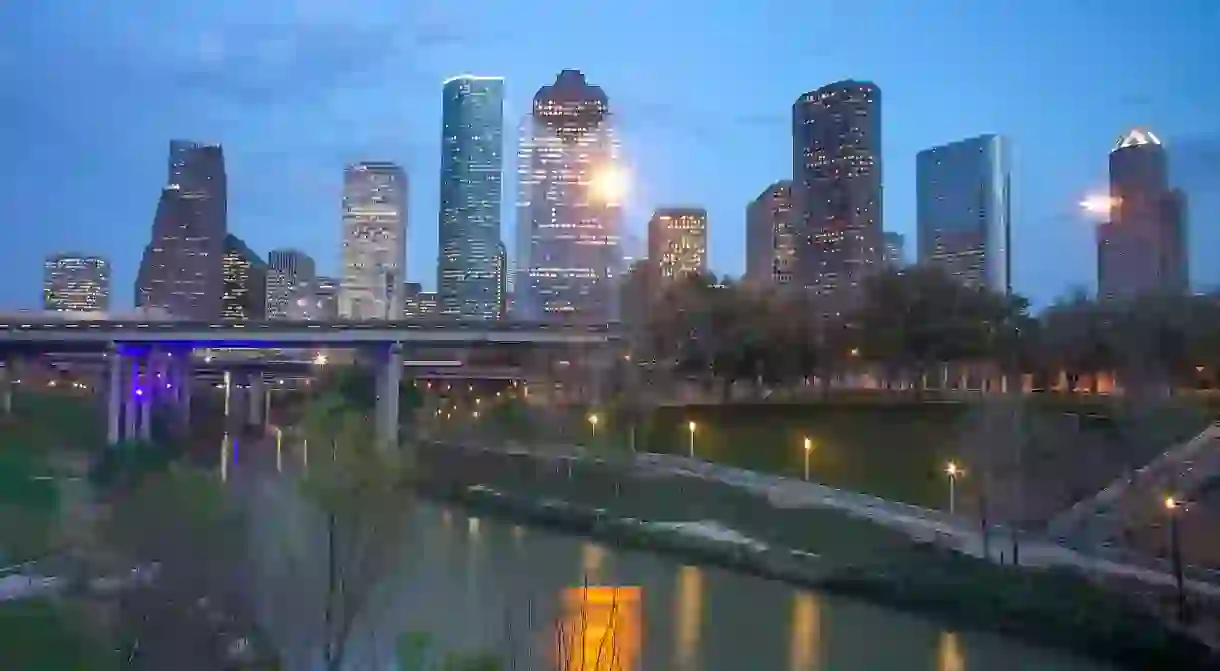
<point x="702" y="92"/>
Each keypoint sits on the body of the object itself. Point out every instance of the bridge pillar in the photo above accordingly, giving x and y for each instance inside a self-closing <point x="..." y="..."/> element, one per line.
<point x="130" y="391"/>
<point x="114" y="399"/>
<point x="389" y="378"/>
<point x="256" y="398"/>
<point x="148" y="389"/>
<point x="184" y="380"/>
<point x="6" y="384"/>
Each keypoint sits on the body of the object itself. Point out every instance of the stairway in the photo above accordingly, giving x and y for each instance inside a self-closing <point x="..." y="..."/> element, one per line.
<point x="1178" y="471"/>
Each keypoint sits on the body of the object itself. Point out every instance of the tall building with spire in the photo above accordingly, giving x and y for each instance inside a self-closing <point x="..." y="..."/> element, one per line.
<point x="569" y="211"/>
<point x="182" y="269"/>
<point x="374" y="241"/>
<point x="1142" y="248"/>
<point x="472" y="140"/>
<point x="836" y="188"/>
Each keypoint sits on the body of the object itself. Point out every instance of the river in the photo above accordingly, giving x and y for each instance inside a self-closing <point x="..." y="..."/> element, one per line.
<point x="481" y="584"/>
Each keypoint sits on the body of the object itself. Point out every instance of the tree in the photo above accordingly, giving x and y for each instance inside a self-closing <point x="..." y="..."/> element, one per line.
<point x="341" y="534"/>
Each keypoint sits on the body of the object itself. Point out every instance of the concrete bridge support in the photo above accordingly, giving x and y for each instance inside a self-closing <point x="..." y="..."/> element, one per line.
<point x="256" y="399"/>
<point x="114" y="398"/>
<point x="388" y="380"/>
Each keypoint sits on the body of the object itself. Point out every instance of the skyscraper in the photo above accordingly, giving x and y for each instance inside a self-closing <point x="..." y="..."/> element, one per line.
<point x="472" y="140"/>
<point x="962" y="210"/>
<point x="677" y="242"/>
<point x="374" y="241"/>
<point x="245" y="282"/>
<point x="1142" y="249"/>
<point x="569" y="206"/>
<point x="836" y="187"/>
<point x="895" y="245"/>
<point x="770" y="244"/>
<point x="287" y="269"/>
<point x="501" y="281"/>
<point x="75" y="283"/>
<point x="182" y="270"/>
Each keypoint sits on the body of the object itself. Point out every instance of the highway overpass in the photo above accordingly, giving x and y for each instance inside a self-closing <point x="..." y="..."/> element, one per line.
<point x="59" y="335"/>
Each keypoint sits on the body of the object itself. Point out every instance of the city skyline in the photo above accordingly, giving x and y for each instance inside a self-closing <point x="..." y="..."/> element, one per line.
<point x="679" y="150"/>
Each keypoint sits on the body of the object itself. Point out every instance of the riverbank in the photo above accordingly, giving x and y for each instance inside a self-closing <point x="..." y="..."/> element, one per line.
<point x="709" y="523"/>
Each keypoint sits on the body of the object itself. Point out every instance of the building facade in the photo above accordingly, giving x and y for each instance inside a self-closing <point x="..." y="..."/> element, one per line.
<point x="677" y="242"/>
<point x="374" y="241"/>
<point x="74" y="282"/>
<point x="770" y="243"/>
<point x="501" y="282"/>
<point x="472" y="140"/>
<point x="287" y="269"/>
<point x="182" y="269"/>
<point x="1142" y="248"/>
<point x="963" y="211"/>
<point x="245" y="283"/>
<point x="569" y="206"/>
<point x="836" y="188"/>
<point x="895" y="250"/>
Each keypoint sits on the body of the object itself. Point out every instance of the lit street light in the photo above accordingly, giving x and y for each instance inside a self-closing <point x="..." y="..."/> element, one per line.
<point x="593" y="424"/>
<point x="1172" y="506"/>
<point x="808" y="449"/>
<point x="691" y="426"/>
<point x="954" y="472"/>
<point x="320" y="359"/>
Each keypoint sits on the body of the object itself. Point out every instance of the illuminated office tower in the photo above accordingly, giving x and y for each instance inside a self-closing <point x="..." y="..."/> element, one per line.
<point x="182" y="269"/>
<point x="1142" y="248"/>
<point x="836" y="188"/>
<point x="770" y="244"/>
<point x="245" y="283"/>
<point x="287" y="271"/>
<point x="374" y="241"/>
<point x="75" y="283"/>
<point x="569" y="206"/>
<point x="677" y="242"/>
<point x="472" y="158"/>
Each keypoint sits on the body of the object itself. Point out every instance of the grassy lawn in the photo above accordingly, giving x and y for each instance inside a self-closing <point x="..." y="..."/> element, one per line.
<point x="892" y="445"/>
<point x="41" y="635"/>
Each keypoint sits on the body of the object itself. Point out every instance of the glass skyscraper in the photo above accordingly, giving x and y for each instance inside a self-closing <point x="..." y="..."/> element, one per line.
<point x="962" y="210"/>
<point x="472" y="159"/>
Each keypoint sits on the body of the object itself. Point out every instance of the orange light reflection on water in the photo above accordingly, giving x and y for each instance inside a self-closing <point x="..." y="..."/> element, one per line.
<point x="600" y="629"/>
<point x="806" y="632"/>
<point x="688" y="617"/>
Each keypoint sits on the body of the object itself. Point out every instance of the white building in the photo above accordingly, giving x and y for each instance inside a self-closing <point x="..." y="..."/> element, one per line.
<point x="374" y="241"/>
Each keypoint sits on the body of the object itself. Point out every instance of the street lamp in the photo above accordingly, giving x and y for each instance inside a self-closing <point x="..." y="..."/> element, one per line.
<point x="954" y="472"/>
<point x="319" y="359"/>
<point x="808" y="449"/>
<point x="1172" y="506"/>
<point x="691" y="426"/>
<point x="593" y="424"/>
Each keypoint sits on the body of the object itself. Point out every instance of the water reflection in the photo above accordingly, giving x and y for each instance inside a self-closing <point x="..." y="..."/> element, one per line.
<point x="592" y="556"/>
<point x="599" y="629"/>
<point x="688" y="618"/>
<point x="806" y="632"/>
<point x="225" y="450"/>
<point x="949" y="656"/>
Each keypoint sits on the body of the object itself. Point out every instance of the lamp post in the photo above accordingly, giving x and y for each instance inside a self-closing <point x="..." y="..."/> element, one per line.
<point x="954" y="472"/>
<point x="1172" y="506"/>
<point x="690" y="427"/>
<point x="808" y="449"/>
<point x="593" y="425"/>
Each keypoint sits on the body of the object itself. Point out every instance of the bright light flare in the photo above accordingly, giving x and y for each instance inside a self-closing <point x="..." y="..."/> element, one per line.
<point x="608" y="185"/>
<point x="319" y="360"/>
<point x="1099" y="204"/>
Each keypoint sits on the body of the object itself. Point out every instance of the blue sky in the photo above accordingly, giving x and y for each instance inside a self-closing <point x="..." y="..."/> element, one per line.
<point x="294" y="89"/>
